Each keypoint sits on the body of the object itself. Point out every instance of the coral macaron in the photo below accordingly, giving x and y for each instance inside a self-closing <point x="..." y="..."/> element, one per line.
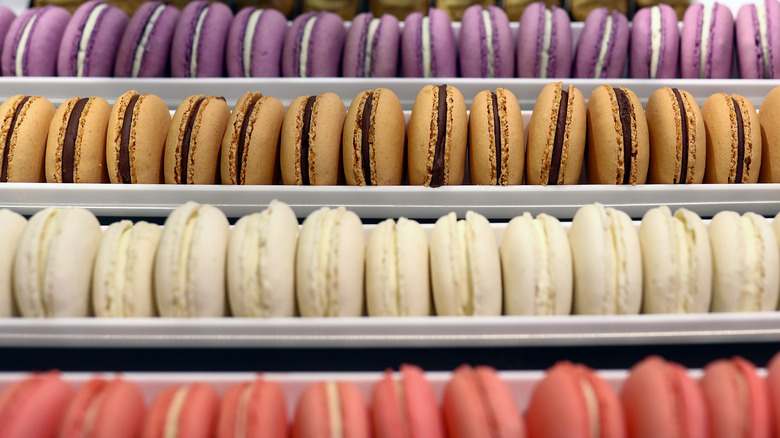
<point x="254" y="43"/>
<point x="31" y="45"/>
<point x="253" y="409"/>
<point x="91" y="40"/>
<point x="185" y="411"/>
<point x="486" y="48"/>
<point x="405" y="406"/>
<point x="198" y="47"/>
<point x="146" y="45"/>
<point x="331" y="409"/>
<point x="105" y="409"/>
<point x="34" y="406"/>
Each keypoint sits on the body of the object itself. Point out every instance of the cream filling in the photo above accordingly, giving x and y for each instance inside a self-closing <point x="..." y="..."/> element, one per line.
<point x="182" y="302"/>
<point x="44" y="298"/>
<point x="592" y="403"/>
<point x="140" y="51"/>
<point x="242" y="412"/>
<point x="685" y="267"/>
<point x="334" y="409"/>
<point x="19" y="71"/>
<point x="655" y="40"/>
<point x="91" y="415"/>
<point x="326" y="266"/>
<point x="118" y="300"/>
<point x="249" y="36"/>
<point x="704" y="46"/>
<point x="462" y="274"/>
<point x="763" y="32"/>
<point x="373" y="25"/>
<point x="196" y="42"/>
<point x="173" y="417"/>
<point x="86" y="35"/>
<point x="604" y="47"/>
<point x="619" y="273"/>
<point x="255" y="255"/>
<point x="426" y="48"/>
<point x="491" y="57"/>
<point x="545" y="292"/>
<point x="303" y="56"/>
<point x="752" y="284"/>
<point x="544" y="56"/>
<point x="396" y="300"/>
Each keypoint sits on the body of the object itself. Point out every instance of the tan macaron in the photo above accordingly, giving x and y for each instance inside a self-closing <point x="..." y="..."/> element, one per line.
<point x="25" y="124"/>
<point x="769" y="117"/>
<point x="556" y="136"/>
<point x="496" y="139"/>
<point x="373" y="139"/>
<point x="733" y="139"/>
<point x="618" y="140"/>
<point x="250" y="147"/>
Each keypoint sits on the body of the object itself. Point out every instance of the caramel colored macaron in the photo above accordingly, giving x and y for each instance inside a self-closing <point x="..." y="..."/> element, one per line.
<point x="678" y="147"/>
<point x="25" y="124"/>
<point x="556" y="136"/>
<point x="373" y="139"/>
<point x="733" y="139"/>
<point x="496" y="139"/>
<point x="769" y="117"/>
<point x="618" y="140"/>
<point x="311" y="140"/>
<point x="250" y="147"/>
<point x="76" y="145"/>
<point x="137" y="128"/>
<point x="438" y="132"/>
<point x="194" y="139"/>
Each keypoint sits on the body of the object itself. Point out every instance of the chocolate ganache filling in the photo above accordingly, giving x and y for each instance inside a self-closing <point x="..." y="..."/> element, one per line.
<point x="185" y="146"/>
<point x="124" y="142"/>
<point x="497" y="136"/>
<point x="740" y="142"/>
<point x="6" y="150"/>
<point x="365" y="126"/>
<point x="69" y="142"/>
<point x="560" y="133"/>
<point x="624" y="107"/>
<point x="684" y="127"/>
<point x="305" y="140"/>
<point x="240" y="158"/>
<point x="437" y="173"/>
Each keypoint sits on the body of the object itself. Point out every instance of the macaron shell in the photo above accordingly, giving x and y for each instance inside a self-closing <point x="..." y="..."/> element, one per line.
<point x="719" y="59"/>
<point x="265" y="411"/>
<point x="28" y="142"/>
<point x="211" y="46"/>
<point x="589" y="45"/>
<point x="155" y="59"/>
<point x="722" y="135"/>
<point x="442" y="41"/>
<point x="266" y="50"/>
<point x="737" y="399"/>
<point x="529" y="45"/>
<point x="473" y="50"/>
<point x="641" y="44"/>
<point x="40" y="55"/>
<point x="103" y="42"/>
<point x="483" y="168"/>
<point x="312" y="413"/>
<point x="384" y="62"/>
<point x="11" y="228"/>
<point x="354" y="45"/>
<point x="773" y="388"/>
<point x="769" y="118"/>
<point x="120" y="410"/>
<point x="325" y="46"/>
<point x="7" y="17"/>
<point x="199" y="413"/>
<point x="34" y="406"/>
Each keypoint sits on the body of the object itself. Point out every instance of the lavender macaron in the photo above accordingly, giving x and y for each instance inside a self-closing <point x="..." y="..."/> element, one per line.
<point x="428" y="45"/>
<point x="544" y="48"/>
<point x="31" y="44"/>
<point x="145" y="49"/>
<point x="313" y="46"/>
<point x="91" y="40"/>
<point x="655" y="43"/>
<point x="198" y="47"/>
<point x="254" y="43"/>
<point x="603" y="45"/>
<point x="486" y="48"/>
<point x="758" y="40"/>
<point x="707" y="42"/>
<point x="7" y="17"/>
<point x="371" y="47"/>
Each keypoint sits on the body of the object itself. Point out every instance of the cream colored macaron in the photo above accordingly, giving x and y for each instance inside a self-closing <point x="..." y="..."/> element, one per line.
<point x="11" y="228"/>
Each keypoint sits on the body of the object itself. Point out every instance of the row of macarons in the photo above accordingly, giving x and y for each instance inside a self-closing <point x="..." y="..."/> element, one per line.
<point x="658" y="398"/>
<point x="206" y="40"/>
<point x="60" y="264"/>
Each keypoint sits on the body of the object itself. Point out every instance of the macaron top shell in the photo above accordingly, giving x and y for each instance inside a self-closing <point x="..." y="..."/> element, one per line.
<point x="655" y="43"/>
<point x="146" y="45"/>
<point x="486" y="46"/>
<point x="254" y="43"/>
<point x="603" y="45"/>
<point x="91" y="39"/>
<point x="544" y="36"/>
<point x="198" y="47"/>
<point x="428" y="45"/>
<point x="371" y="46"/>
<point x="707" y="41"/>
<point x="313" y="46"/>
<point x="31" y="43"/>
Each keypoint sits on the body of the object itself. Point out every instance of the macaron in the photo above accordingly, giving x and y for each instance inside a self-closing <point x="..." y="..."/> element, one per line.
<point x="371" y="47"/>
<point x="769" y="118"/>
<point x="496" y="139"/>
<point x="485" y="45"/>
<point x="91" y="40"/>
<point x="477" y="403"/>
<point x="655" y="43"/>
<point x="660" y="398"/>
<point x="53" y="264"/>
<point x="329" y="264"/>
<point x="135" y="139"/>
<point x="261" y="263"/>
<point x="404" y="405"/>
<point x="758" y="41"/>
<point x="556" y="136"/>
<point x="310" y="150"/>
<point x="745" y="263"/>
<point x="146" y="45"/>
<point x="76" y="144"/>
<point x="34" y="406"/>
<point x="331" y="409"/>
<point x="537" y="266"/>
<point x="253" y="409"/>
<point x="11" y="228"/>
<point x="313" y="46"/>
<point x="678" y="140"/>
<point x="183" y="411"/>
<point x="544" y="37"/>
<point x="622" y="158"/>
<point x="105" y="408"/>
<point x="373" y="139"/>
<point x="122" y="280"/>
<point x="437" y="137"/>
<point x="677" y="262"/>
<point x="198" y="45"/>
<point x="773" y="386"/>
<point x="7" y="17"/>
<point x="189" y="268"/>
<point x="194" y="138"/>
<point x="733" y="139"/>
<point x="737" y="399"/>
<point x="250" y="146"/>
<point x="428" y="47"/>
<point x="607" y="262"/>
<point x="32" y="42"/>
<point x="25" y="124"/>
<point x="465" y="267"/>
<point x="397" y="270"/>
<point x="707" y="42"/>
<point x="603" y="45"/>
<point x="591" y="405"/>
<point x="254" y="43"/>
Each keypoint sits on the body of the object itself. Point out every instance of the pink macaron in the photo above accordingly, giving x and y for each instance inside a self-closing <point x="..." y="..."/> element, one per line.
<point x="185" y="411"/>
<point x="758" y="40"/>
<point x="253" y="409"/>
<point x="105" y="409"/>
<point x="773" y="385"/>
<point x="331" y="410"/>
<point x="198" y="47"/>
<point x="32" y="43"/>
<point x="145" y="49"/>
<point x="34" y="407"/>
<point x="707" y="42"/>
<point x="405" y="406"/>
<point x="91" y="40"/>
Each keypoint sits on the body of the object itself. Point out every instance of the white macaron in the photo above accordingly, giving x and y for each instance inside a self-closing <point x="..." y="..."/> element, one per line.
<point x="11" y="228"/>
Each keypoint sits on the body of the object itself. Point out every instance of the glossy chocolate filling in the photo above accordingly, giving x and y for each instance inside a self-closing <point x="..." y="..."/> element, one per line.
<point x="305" y="140"/>
<point x="6" y="150"/>
<point x="69" y="142"/>
<point x="240" y="148"/>
<point x="124" y="142"/>
<point x="185" y="144"/>
<point x="624" y="107"/>
<point x="497" y="136"/>
<point x="437" y="173"/>
<point x="560" y="133"/>
<point x="365" y="126"/>
<point x="684" y="126"/>
<point x="740" y="142"/>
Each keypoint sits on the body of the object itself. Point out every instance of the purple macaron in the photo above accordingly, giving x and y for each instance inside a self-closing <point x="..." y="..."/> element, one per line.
<point x="198" y="48"/>
<point x="655" y="43"/>
<point x="428" y="46"/>
<point x="486" y="48"/>
<point x="603" y="45"/>
<point x="758" y="40"/>
<point x="31" y="44"/>
<point x="91" y="40"/>
<point x="313" y="46"/>
<point x="544" y="48"/>
<point x="254" y="43"/>
<point x="371" y="48"/>
<point x="7" y="17"/>
<point x="146" y="46"/>
<point x="707" y="42"/>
